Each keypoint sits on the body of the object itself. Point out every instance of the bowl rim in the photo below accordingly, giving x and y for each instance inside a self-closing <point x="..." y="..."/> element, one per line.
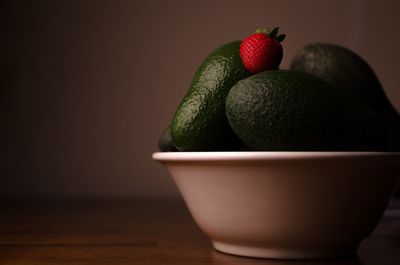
<point x="265" y="155"/>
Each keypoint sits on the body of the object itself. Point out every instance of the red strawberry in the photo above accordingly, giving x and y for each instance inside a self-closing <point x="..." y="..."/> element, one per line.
<point x="262" y="50"/>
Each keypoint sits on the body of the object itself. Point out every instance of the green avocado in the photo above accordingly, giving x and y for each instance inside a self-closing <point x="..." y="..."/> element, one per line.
<point x="200" y="122"/>
<point x="349" y="73"/>
<point x="294" y="111"/>
<point x="165" y="141"/>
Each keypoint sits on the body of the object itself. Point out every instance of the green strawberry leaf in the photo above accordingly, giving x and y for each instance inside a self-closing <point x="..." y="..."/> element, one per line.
<point x="280" y="37"/>
<point x="274" y="32"/>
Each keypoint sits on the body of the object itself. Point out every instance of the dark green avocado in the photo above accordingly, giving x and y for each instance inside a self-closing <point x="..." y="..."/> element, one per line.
<point x="200" y="122"/>
<point x="294" y="111"/>
<point x="165" y="141"/>
<point x="349" y="73"/>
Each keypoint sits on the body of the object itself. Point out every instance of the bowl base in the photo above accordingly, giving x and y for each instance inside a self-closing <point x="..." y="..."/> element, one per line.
<point x="281" y="253"/>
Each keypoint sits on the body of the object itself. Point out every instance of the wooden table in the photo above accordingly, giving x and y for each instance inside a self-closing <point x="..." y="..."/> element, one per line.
<point x="142" y="232"/>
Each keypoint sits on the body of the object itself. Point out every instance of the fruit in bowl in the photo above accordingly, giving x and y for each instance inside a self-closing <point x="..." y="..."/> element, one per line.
<point x="274" y="163"/>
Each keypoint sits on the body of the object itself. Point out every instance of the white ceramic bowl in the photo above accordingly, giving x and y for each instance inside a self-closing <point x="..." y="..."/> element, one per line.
<point x="291" y="205"/>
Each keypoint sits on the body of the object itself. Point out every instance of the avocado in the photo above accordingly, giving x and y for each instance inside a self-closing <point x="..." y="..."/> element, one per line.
<point x="349" y="73"/>
<point x="200" y="122"/>
<point x="165" y="141"/>
<point x="293" y="111"/>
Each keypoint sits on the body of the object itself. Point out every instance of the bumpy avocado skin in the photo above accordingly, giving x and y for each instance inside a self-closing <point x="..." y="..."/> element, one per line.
<point x="200" y="122"/>
<point x="294" y="111"/>
<point x="349" y="73"/>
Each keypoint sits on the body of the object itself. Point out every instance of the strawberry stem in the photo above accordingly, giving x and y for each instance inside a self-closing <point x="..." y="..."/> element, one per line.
<point x="274" y="33"/>
<point x="262" y="30"/>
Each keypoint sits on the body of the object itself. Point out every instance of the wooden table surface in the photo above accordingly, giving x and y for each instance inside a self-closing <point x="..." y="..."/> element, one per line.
<point x="145" y="233"/>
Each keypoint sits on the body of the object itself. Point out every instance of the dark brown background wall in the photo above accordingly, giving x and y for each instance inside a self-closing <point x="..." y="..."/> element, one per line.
<point x="87" y="86"/>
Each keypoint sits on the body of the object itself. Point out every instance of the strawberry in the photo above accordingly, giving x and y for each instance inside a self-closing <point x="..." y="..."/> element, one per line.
<point x="262" y="50"/>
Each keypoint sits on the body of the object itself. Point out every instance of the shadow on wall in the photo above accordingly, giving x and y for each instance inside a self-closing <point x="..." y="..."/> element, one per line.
<point x="8" y="112"/>
<point x="8" y="88"/>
